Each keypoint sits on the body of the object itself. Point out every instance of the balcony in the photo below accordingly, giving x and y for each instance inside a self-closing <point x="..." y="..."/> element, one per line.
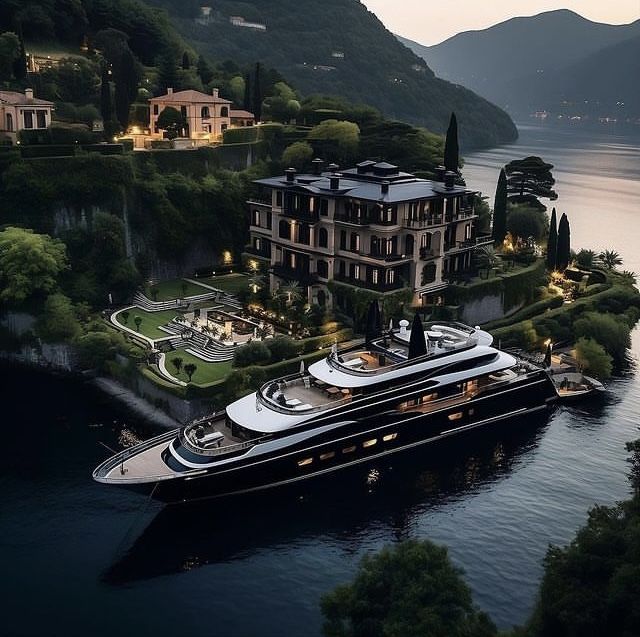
<point x="469" y="244"/>
<point x="387" y="258"/>
<point x="300" y="215"/>
<point x="426" y="222"/>
<point x="369" y="285"/>
<point x="259" y="201"/>
<point x="465" y="213"/>
<point x="427" y="254"/>
<point x="295" y="274"/>
<point x="356" y="221"/>
<point x="261" y="253"/>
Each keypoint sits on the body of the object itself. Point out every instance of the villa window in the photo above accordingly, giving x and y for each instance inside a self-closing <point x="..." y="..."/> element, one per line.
<point x="324" y="207"/>
<point x="183" y="111"/>
<point x="429" y="273"/>
<point x="467" y="231"/>
<point x="28" y="119"/>
<point x="10" y="122"/>
<point x="284" y="230"/>
<point x="343" y="239"/>
<point x="355" y="242"/>
<point x="279" y="198"/>
<point x="224" y="112"/>
<point x="204" y="112"/>
<point x="323" y="238"/>
<point x="323" y="269"/>
<point x="155" y="109"/>
<point x="374" y="276"/>
<point x="354" y="271"/>
<point x="304" y="234"/>
<point x="258" y="244"/>
<point x="425" y="240"/>
<point x="390" y="277"/>
<point x="341" y="268"/>
<point x="256" y="218"/>
<point x="408" y="245"/>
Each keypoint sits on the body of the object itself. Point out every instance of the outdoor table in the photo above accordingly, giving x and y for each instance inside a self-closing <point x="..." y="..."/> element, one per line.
<point x="332" y="391"/>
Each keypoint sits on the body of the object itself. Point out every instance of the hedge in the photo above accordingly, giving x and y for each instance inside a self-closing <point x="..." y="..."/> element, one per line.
<point x="527" y="312"/>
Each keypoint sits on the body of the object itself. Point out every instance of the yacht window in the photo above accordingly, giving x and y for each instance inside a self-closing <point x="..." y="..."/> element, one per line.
<point x="349" y="449"/>
<point x="455" y="416"/>
<point x="369" y="443"/>
<point x="328" y="455"/>
<point x="306" y="461"/>
<point x="389" y="437"/>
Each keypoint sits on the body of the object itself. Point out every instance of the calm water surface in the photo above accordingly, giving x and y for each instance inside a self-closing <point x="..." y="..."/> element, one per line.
<point x="79" y="558"/>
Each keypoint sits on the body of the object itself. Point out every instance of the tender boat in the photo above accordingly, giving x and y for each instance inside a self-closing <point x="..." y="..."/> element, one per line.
<point x="365" y="402"/>
<point x="574" y="385"/>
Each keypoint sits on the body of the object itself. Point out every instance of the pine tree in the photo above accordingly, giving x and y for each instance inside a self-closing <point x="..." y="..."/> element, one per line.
<point x="552" y="243"/>
<point x="500" y="210"/>
<point x="451" y="148"/>
<point x="186" y="62"/>
<point x="564" y="243"/>
<point x="204" y="70"/>
<point x="258" y="96"/>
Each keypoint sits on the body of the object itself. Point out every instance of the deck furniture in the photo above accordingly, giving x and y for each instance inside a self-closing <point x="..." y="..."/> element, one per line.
<point x="293" y="402"/>
<point x="332" y="391"/>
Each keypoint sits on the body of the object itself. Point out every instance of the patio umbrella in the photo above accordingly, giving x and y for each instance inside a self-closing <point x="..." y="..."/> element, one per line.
<point x="417" y="342"/>
<point x="373" y="327"/>
<point x="301" y="368"/>
<point x="378" y="318"/>
<point x="547" y="356"/>
<point x="391" y="325"/>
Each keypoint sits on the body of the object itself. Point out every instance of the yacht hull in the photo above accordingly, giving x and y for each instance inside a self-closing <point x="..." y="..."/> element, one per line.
<point x="363" y="439"/>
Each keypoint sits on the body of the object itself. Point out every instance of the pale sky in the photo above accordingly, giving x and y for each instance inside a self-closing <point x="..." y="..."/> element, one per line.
<point x="431" y="21"/>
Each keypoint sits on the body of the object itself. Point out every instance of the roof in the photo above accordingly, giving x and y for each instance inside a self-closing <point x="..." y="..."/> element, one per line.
<point x="190" y="96"/>
<point x="15" y="98"/>
<point x="241" y="114"/>
<point x="407" y="188"/>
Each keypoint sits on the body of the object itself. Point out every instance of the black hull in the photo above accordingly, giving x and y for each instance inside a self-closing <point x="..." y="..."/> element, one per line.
<point x="394" y="432"/>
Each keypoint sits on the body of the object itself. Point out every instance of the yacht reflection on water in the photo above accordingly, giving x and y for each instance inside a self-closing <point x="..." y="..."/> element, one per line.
<point x="382" y="495"/>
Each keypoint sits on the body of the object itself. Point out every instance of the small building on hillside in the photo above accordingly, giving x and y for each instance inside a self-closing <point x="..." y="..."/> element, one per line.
<point x="372" y="226"/>
<point x="207" y="116"/>
<point x="22" y="111"/>
<point x="240" y="118"/>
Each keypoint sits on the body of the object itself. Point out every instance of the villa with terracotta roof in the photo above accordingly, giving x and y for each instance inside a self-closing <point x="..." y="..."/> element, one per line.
<point x="22" y="111"/>
<point x="207" y="116"/>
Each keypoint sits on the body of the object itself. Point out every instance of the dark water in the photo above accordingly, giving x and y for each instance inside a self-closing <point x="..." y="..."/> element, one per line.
<point x="598" y="183"/>
<point x="82" y="559"/>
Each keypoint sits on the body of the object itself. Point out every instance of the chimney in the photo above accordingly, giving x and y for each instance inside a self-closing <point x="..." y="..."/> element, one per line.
<point x="440" y="171"/>
<point x="449" y="180"/>
<point x="334" y="182"/>
<point x="170" y="91"/>
<point x="333" y="168"/>
<point x="384" y="187"/>
<point x="28" y="93"/>
<point x="216" y="93"/>
<point x="317" y="165"/>
<point x="290" y="175"/>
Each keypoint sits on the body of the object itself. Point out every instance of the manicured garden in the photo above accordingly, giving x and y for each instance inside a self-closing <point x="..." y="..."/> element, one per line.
<point x="205" y="373"/>
<point x="231" y="283"/>
<point x="173" y="289"/>
<point x="151" y="321"/>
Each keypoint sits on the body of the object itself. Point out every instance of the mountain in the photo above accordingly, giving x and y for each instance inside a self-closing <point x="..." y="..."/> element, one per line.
<point x="338" y="47"/>
<point x="502" y="61"/>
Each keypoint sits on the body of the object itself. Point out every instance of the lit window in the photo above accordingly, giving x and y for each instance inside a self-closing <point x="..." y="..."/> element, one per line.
<point x="389" y="437"/>
<point x="369" y="443"/>
<point x="305" y="462"/>
<point x="374" y="276"/>
<point x="455" y="416"/>
<point x="349" y="449"/>
<point x="328" y="455"/>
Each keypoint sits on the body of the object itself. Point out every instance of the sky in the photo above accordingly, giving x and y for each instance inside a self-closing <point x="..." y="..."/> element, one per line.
<point x="432" y="21"/>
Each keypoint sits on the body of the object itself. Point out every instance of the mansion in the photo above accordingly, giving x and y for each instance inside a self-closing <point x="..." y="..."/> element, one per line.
<point x="23" y="111"/>
<point x="371" y="227"/>
<point x="207" y="115"/>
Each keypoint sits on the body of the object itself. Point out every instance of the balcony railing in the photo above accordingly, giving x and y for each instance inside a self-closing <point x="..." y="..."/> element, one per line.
<point x="469" y="244"/>
<point x="369" y="285"/>
<point x="259" y="201"/>
<point x="295" y="274"/>
<point x="356" y="221"/>
<point x="301" y="215"/>
<point x="425" y="222"/>
<point x="263" y="253"/>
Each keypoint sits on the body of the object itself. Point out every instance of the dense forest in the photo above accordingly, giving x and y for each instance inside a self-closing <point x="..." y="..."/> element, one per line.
<point x="340" y="48"/>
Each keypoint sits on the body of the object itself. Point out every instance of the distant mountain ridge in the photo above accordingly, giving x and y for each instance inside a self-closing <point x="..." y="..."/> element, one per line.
<point x="338" y="47"/>
<point x="537" y="62"/>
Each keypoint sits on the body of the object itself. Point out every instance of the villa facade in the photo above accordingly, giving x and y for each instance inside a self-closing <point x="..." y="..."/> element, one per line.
<point x="22" y="111"/>
<point x="207" y="116"/>
<point x="371" y="227"/>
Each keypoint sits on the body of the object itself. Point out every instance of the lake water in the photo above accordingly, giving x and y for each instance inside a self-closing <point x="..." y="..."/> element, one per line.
<point x="79" y="558"/>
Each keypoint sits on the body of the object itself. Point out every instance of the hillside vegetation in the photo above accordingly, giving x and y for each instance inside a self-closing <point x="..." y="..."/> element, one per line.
<point x="339" y="48"/>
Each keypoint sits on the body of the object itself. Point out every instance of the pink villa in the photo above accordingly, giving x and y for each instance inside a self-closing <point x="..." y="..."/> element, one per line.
<point x="22" y="111"/>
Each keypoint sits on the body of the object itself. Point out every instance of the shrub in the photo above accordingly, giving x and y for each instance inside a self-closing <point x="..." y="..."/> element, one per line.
<point x="593" y="358"/>
<point x="612" y="333"/>
<point x="94" y="349"/>
<point x="254" y="353"/>
<point x="58" y="321"/>
<point x="282" y="348"/>
<point x="298" y="155"/>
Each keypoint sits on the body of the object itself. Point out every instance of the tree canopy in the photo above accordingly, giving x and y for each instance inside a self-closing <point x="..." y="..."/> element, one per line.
<point x="172" y="121"/>
<point x="409" y="590"/>
<point x="30" y="264"/>
<point x="530" y="179"/>
<point x="525" y="222"/>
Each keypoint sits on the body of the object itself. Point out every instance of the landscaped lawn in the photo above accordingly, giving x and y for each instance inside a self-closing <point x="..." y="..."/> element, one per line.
<point x="206" y="372"/>
<point x="232" y="283"/>
<point x="169" y="290"/>
<point x="150" y="321"/>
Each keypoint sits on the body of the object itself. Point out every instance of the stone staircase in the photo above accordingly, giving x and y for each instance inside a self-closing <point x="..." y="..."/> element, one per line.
<point x="182" y="304"/>
<point x="200" y="345"/>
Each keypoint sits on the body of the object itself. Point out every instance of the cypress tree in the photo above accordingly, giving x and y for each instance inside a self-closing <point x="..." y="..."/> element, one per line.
<point x="451" y="149"/>
<point x="106" y="107"/>
<point x="417" y="342"/>
<point x="246" y="104"/>
<point x="564" y="243"/>
<point x="186" y="63"/>
<point x="500" y="210"/>
<point x="258" y="97"/>
<point x="204" y="70"/>
<point x="552" y="243"/>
